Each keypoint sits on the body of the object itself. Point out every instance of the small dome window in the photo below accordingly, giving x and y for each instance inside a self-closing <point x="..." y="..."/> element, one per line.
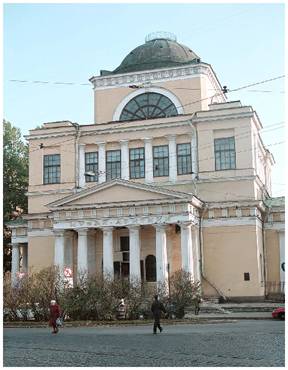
<point x="148" y="105"/>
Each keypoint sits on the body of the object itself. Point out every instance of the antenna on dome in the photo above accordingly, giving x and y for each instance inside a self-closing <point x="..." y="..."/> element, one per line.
<point x="160" y="35"/>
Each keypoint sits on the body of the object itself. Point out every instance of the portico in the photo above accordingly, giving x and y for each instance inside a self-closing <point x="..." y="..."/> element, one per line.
<point x="149" y="225"/>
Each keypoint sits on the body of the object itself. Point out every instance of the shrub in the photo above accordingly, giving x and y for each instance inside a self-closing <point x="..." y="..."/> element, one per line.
<point x="183" y="291"/>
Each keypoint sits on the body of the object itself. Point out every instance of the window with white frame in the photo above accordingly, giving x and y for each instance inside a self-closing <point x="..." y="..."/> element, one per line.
<point x="184" y="163"/>
<point x="91" y="167"/>
<point x="51" y="169"/>
<point x="160" y="160"/>
<point x="113" y="164"/>
<point x="225" y="155"/>
<point x="137" y="163"/>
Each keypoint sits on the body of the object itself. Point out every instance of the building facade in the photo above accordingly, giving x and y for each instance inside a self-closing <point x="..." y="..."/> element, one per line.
<point x="170" y="175"/>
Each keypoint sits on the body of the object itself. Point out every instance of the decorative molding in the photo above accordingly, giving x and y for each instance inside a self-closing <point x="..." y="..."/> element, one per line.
<point x="42" y="232"/>
<point x="224" y="212"/>
<point x="222" y="117"/>
<point x="126" y="221"/>
<point x="49" y="192"/>
<point x="19" y="239"/>
<point x="279" y="226"/>
<point x="157" y="75"/>
<point x="232" y="221"/>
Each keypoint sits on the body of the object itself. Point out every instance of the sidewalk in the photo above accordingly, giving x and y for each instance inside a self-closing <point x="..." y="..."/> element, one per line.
<point x="203" y="318"/>
<point x="258" y="315"/>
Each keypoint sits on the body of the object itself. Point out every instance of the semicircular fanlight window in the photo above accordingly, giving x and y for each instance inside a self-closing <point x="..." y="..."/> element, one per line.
<point x="148" y="105"/>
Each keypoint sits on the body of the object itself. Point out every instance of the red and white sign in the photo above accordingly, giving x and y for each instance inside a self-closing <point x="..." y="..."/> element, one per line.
<point x="68" y="272"/>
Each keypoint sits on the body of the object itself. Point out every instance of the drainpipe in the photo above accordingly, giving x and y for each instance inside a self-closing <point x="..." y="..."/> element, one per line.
<point x="77" y="136"/>
<point x="264" y="219"/>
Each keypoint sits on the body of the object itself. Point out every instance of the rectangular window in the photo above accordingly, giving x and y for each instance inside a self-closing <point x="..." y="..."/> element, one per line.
<point x="184" y="162"/>
<point x="113" y="164"/>
<point x="246" y="276"/>
<point x="91" y="167"/>
<point x="51" y="173"/>
<point x="160" y="160"/>
<point x="124" y="243"/>
<point x="137" y="163"/>
<point x="225" y="155"/>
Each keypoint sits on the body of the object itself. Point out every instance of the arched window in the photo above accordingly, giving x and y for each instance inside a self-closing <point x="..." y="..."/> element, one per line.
<point x="150" y="267"/>
<point x="148" y="105"/>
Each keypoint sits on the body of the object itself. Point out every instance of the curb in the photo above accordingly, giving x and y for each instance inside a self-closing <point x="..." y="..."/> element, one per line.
<point x="203" y="320"/>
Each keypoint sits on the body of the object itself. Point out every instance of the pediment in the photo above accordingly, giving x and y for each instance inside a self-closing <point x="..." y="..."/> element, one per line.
<point x="118" y="191"/>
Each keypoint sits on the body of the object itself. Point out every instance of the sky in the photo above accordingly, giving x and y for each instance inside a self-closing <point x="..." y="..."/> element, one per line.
<point x="244" y="43"/>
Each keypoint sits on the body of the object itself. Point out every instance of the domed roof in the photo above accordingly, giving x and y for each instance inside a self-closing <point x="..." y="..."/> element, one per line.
<point x="159" y="51"/>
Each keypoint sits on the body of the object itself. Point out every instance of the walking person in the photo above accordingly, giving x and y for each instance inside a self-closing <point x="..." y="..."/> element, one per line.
<point x="156" y="309"/>
<point x="54" y="315"/>
<point x="197" y="301"/>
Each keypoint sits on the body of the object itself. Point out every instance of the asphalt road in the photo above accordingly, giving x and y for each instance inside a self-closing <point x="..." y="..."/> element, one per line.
<point x="239" y="343"/>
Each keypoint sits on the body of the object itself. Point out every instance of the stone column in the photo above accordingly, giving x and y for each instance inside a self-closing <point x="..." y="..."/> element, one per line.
<point x="172" y="158"/>
<point x="108" y="268"/>
<point x="186" y="249"/>
<point x="15" y="263"/>
<point x="81" y="165"/>
<point x="82" y="252"/>
<point x="161" y="255"/>
<point x="134" y="252"/>
<point x="101" y="162"/>
<point x="194" y="156"/>
<point x="59" y="248"/>
<point x="24" y="258"/>
<point x="196" y="251"/>
<point x="124" y="160"/>
<point x="148" y="160"/>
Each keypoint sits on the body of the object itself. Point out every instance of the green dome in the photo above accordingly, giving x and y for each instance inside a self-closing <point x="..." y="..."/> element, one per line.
<point x="157" y="52"/>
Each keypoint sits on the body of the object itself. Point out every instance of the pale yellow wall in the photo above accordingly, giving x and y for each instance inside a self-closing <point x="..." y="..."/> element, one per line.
<point x="38" y="204"/>
<point x="54" y="145"/>
<point x="272" y="255"/>
<point x="118" y="193"/>
<point x="40" y="252"/>
<point x="207" y="132"/>
<point x="228" y="253"/>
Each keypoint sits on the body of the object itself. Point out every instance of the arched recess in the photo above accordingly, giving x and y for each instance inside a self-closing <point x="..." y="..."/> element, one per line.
<point x="157" y="90"/>
<point x="150" y="268"/>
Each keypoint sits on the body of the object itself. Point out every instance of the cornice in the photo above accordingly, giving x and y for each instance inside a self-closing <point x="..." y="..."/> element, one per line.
<point x="120" y="128"/>
<point x="115" y="129"/>
<point x="156" y="75"/>
<point x="49" y="135"/>
<point x="223" y="117"/>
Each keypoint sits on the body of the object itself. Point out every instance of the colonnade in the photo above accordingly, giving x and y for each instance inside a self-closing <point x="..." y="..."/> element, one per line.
<point x="189" y="251"/>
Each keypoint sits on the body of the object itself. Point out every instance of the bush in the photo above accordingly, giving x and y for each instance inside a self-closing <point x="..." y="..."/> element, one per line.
<point x="183" y="292"/>
<point x="93" y="297"/>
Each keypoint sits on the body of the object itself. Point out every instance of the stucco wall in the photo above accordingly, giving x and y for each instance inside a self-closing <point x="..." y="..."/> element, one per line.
<point x="40" y="252"/>
<point x="228" y="253"/>
<point x="272" y="255"/>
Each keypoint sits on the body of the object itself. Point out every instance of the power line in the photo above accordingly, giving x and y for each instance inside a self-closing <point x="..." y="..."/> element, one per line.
<point x="51" y="82"/>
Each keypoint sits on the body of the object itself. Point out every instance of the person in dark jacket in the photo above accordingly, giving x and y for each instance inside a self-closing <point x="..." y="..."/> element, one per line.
<point x="54" y="315"/>
<point x="156" y="309"/>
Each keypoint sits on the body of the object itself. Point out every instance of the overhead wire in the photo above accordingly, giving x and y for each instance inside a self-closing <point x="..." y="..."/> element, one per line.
<point x="237" y="136"/>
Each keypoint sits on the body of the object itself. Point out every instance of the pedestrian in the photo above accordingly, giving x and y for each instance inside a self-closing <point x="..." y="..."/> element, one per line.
<point x="54" y="315"/>
<point x="197" y="301"/>
<point x="156" y="308"/>
<point x="121" y="310"/>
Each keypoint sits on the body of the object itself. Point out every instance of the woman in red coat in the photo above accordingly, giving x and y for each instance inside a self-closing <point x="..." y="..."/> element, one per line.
<point x="54" y="314"/>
